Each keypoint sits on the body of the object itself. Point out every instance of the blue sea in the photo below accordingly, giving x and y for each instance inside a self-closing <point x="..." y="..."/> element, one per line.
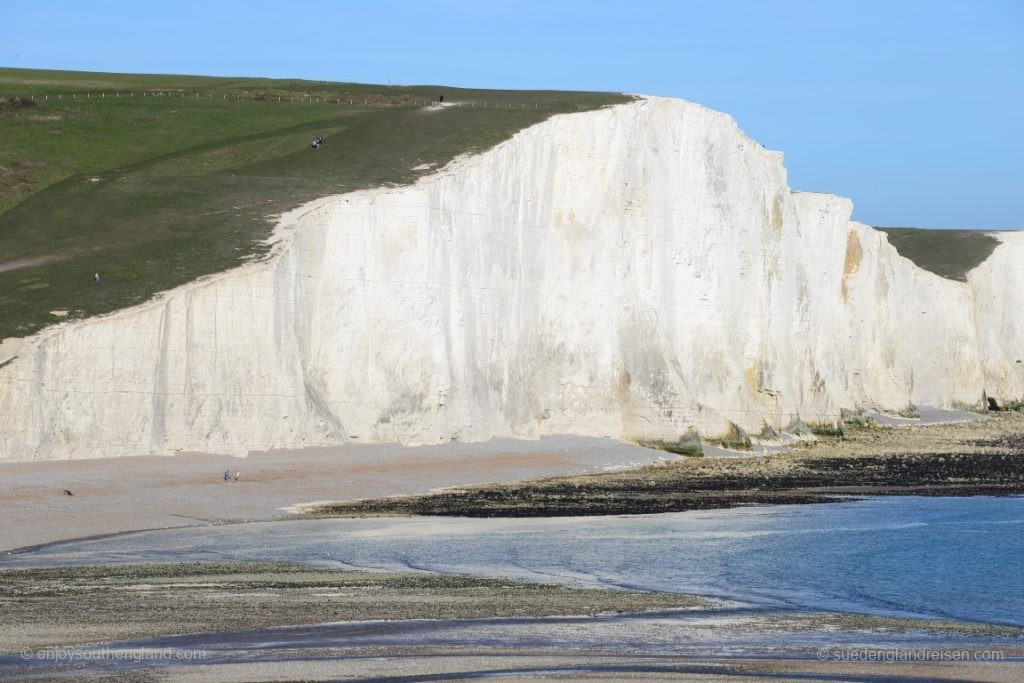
<point x="960" y="558"/>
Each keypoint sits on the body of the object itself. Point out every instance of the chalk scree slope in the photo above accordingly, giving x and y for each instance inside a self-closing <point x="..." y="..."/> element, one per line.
<point x="633" y="272"/>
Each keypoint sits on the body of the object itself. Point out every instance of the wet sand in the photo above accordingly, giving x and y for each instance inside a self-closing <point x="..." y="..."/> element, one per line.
<point x="251" y="622"/>
<point x="112" y="495"/>
<point x="56" y="607"/>
<point x="415" y="663"/>
<point x="411" y="665"/>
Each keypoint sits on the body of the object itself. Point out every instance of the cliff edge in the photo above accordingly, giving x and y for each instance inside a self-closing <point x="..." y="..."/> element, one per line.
<point x="638" y="271"/>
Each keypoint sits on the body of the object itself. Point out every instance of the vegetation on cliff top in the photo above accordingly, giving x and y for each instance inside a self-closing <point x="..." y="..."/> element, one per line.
<point x="154" y="181"/>
<point x="949" y="253"/>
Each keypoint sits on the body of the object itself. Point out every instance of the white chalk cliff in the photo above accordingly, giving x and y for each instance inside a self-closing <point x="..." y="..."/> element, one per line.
<point x="633" y="272"/>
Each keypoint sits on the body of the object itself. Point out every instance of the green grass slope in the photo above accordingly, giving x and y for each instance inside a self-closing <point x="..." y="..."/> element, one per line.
<point x="154" y="181"/>
<point x="949" y="253"/>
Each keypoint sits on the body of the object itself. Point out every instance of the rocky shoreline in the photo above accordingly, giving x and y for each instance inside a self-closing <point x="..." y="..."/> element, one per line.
<point x="974" y="458"/>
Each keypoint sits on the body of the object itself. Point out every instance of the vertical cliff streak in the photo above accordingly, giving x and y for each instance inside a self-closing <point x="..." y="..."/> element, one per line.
<point x="637" y="271"/>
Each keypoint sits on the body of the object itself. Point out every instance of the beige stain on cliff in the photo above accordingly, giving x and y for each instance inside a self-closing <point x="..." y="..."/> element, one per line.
<point x="854" y="255"/>
<point x="777" y="216"/>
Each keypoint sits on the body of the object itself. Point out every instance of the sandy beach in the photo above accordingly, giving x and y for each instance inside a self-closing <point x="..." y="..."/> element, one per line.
<point x="113" y="495"/>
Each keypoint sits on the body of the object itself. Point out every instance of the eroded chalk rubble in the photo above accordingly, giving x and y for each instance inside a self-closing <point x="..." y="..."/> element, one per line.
<point x="634" y="272"/>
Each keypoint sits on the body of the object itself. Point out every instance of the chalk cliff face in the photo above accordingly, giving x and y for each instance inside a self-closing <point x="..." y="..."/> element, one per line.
<point x="638" y="271"/>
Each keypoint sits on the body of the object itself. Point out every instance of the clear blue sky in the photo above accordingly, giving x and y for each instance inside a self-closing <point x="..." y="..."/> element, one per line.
<point x="914" y="109"/>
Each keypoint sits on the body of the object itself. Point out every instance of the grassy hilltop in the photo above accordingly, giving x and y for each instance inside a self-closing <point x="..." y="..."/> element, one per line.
<point x="949" y="253"/>
<point x="153" y="181"/>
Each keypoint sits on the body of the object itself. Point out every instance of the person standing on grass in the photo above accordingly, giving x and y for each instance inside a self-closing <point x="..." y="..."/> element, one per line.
<point x="96" y="278"/>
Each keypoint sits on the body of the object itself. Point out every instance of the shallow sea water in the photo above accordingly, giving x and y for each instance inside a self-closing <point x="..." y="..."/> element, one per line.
<point x="959" y="558"/>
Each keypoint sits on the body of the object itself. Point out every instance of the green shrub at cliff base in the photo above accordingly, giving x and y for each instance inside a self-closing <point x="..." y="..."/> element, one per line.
<point x="831" y="429"/>
<point x="859" y="422"/>
<point x="688" y="447"/>
<point x="909" y="412"/>
<point x="164" y="179"/>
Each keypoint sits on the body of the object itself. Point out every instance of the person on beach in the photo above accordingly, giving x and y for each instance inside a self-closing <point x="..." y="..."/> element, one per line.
<point x="227" y="475"/>
<point x="238" y="473"/>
